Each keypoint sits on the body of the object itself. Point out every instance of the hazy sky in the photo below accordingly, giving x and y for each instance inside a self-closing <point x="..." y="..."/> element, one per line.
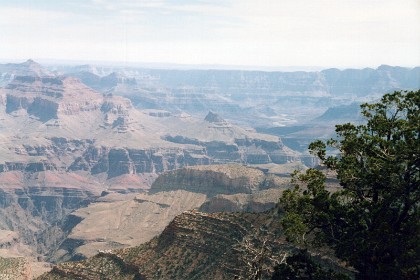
<point x="341" y="33"/>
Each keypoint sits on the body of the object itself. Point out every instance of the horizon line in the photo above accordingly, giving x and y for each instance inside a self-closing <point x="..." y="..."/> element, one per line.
<point x="181" y="66"/>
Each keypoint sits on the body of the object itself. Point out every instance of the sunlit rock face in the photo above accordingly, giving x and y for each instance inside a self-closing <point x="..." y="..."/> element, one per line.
<point x="63" y="144"/>
<point x="104" y="133"/>
<point x="216" y="179"/>
<point x="47" y="97"/>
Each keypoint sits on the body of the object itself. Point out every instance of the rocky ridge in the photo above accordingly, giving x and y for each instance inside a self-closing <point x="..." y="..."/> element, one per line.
<point x="259" y="201"/>
<point x="63" y="144"/>
<point x="35" y="206"/>
<point x="196" y="245"/>
<point x="28" y="68"/>
<point x="193" y="246"/>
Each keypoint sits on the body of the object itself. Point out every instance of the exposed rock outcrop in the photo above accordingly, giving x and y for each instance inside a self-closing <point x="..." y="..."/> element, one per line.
<point x="35" y="205"/>
<point x="216" y="179"/>
<point x="257" y="98"/>
<point x="63" y="144"/>
<point x="46" y="97"/>
<point x="103" y="133"/>
<point x="242" y="150"/>
<point x="118" y="161"/>
<point x="106" y="265"/>
<point x="214" y="118"/>
<point x="257" y="202"/>
<point x="28" y="68"/>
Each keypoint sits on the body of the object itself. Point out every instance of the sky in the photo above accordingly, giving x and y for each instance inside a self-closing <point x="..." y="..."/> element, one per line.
<point x="272" y="33"/>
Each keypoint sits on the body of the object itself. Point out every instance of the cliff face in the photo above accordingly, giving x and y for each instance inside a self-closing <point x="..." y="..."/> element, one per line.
<point x="118" y="161"/>
<point x="241" y="150"/>
<point x="63" y="143"/>
<point x="62" y="154"/>
<point x="260" y="201"/>
<point x="64" y="125"/>
<point x="118" y="220"/>
<point x="29" y="68"/>
<point x="216" y="179"/>
<point x="196" y="245"/>
<point x="330" y="81"/>
<point x="35" y="206"/>
<point x="46" y="97"/>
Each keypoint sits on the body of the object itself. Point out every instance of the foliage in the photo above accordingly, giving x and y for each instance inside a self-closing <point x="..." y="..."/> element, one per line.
<point x="373" y="223"/>
<point x="301" y="266"/>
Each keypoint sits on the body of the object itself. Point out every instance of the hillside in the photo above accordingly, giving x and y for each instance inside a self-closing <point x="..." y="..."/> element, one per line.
<point x="118" y="220"/>
<point x="194" y="246"/>
<point x="123" y="222"/>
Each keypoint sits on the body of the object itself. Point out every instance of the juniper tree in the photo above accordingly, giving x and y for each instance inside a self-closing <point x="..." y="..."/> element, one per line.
<point x="373" y="222"/>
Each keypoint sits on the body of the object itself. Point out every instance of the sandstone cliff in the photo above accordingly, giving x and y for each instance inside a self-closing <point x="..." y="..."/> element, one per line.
<point x="62" y="144"/>
<point x="256" y="98"/>
<point x="28" y="68"/>
<point x="217" y="179"/>
<point x="64" y="125"/>
<point x="35" y="206"/>
<point x="260" y="201"/>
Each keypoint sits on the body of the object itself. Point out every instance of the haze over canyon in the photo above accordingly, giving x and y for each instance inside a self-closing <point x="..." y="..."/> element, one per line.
<point x="96" y="158"/>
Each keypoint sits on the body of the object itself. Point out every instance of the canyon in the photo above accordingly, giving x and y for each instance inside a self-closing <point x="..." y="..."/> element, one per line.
<point x="96" y="158"/>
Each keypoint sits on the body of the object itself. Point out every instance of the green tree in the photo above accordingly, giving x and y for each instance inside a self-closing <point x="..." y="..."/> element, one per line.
<point x="373" y="222"/>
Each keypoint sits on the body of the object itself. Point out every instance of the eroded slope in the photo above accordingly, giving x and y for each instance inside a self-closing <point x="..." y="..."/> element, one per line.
<point x="193" y="246"/>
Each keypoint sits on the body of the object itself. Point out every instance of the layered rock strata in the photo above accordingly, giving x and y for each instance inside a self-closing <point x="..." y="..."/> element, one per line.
<point x="121" y="221"/>
<point x="217" y="179"/>
<point x="193" y="246"/>
<point x="64" y="125"/>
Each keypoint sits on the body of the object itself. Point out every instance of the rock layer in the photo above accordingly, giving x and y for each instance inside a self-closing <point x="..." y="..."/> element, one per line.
<point x="35" y="206"/>
<point x="216" y="179"/>
<point x="64" y="125"/>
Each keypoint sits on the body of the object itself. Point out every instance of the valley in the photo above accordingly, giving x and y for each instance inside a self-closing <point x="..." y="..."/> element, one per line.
<point x="99" y="158"/>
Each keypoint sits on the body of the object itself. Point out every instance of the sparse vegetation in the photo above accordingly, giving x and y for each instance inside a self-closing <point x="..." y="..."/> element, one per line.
<point x="14" y="269"/>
